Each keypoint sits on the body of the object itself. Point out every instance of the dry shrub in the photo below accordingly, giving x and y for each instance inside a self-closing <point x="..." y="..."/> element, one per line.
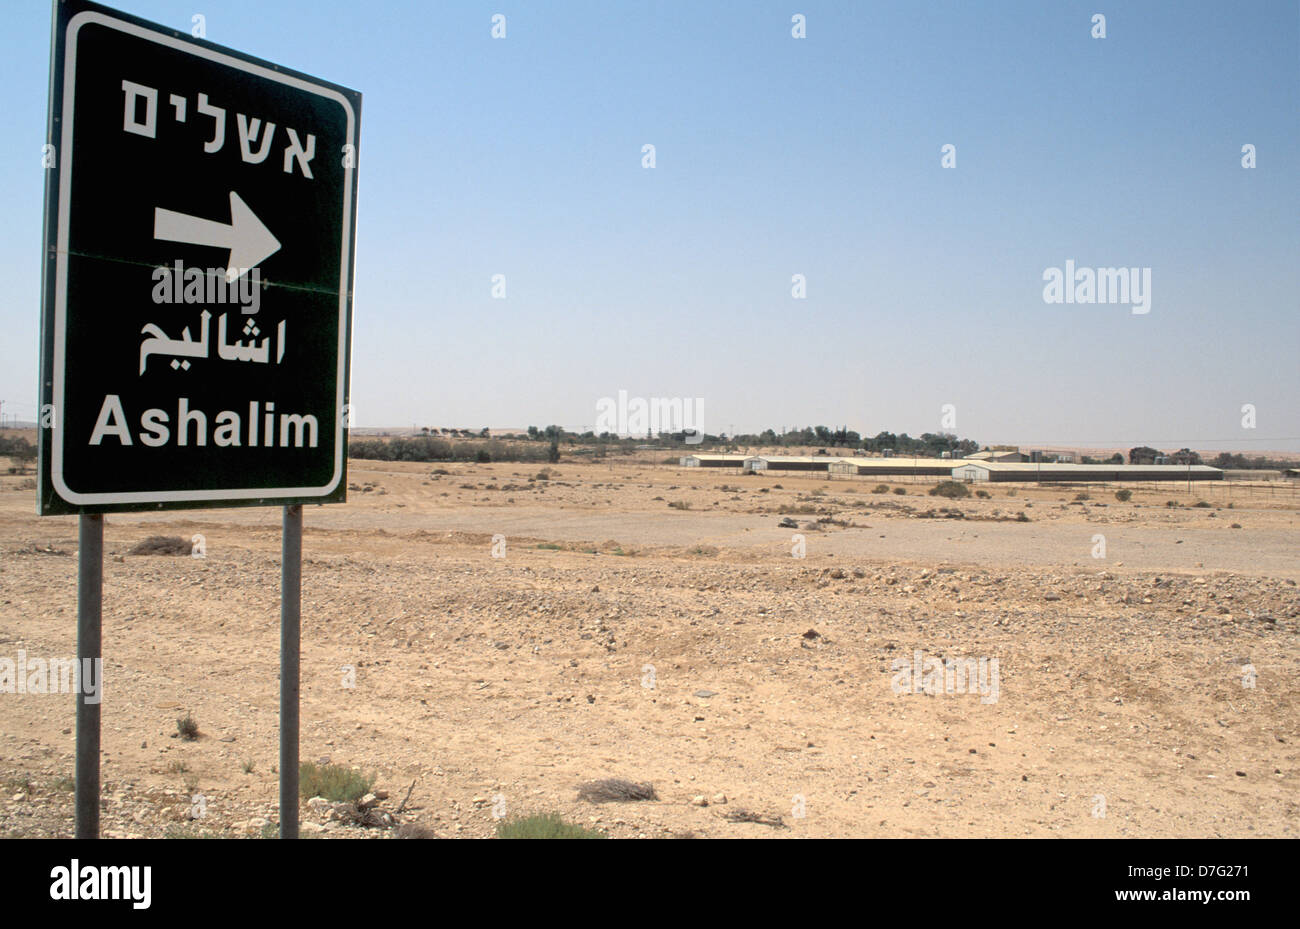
<point x="615" y="790"/>
<point x="742" y="815"/>
<point x="162" y="545"/>
<point x="414" y="831"/>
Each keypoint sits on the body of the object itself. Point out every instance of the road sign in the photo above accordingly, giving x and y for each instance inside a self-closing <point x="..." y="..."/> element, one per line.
<point x="196" y="324"/>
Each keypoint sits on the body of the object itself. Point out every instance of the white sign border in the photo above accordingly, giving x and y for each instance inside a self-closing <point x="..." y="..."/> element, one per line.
<point x="61" y="274"/>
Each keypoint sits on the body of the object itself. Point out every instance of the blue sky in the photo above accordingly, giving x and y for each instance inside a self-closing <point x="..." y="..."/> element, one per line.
<point x="778" y="156"/>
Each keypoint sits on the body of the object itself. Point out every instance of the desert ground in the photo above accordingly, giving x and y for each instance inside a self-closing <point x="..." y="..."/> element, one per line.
<point x="650" y="622"/>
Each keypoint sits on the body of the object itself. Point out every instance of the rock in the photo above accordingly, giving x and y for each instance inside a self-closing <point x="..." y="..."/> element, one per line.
<point x="319" y="804"/>
<point x="1052" y="597"/>
<point x="699" y="800"/>
<point x="787" y="523"/>
<point x="719" y="798"/>
<point x="366" y="802"/>
<point x="310" y="828"/>
<point x="706" y="693"/>
<point x="381" y="794"/>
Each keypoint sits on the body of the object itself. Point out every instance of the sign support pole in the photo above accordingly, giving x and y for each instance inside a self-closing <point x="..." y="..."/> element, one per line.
<point x="290" y="651"/>
<point x="90" y="598"/>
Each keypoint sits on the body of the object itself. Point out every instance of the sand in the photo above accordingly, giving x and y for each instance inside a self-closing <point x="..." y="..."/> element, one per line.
<point x="496" y="685"/>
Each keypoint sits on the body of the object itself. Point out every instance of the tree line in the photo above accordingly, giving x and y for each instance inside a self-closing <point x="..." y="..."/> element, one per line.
<point x="542" y="443"/>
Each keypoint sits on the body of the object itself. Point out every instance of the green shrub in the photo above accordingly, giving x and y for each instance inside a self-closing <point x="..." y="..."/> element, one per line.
<point x="333" y="782"/>
<point x="427" y="448"/>
<point x="900" y="490"/>
<point x="1124" y="496"/>
<point x="186" y="831"/>
<point x="950" y="489"/>
<point x="982" y="494"/>
<point x="544" y="826"/>
<point x="880" y="489"/>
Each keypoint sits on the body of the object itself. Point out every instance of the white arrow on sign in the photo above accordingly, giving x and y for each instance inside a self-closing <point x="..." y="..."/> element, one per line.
<point x="248" y="239"/>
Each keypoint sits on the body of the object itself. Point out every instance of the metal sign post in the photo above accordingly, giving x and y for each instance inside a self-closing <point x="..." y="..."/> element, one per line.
<point x="90" y="590"/>
<point x="290" y="642"/>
